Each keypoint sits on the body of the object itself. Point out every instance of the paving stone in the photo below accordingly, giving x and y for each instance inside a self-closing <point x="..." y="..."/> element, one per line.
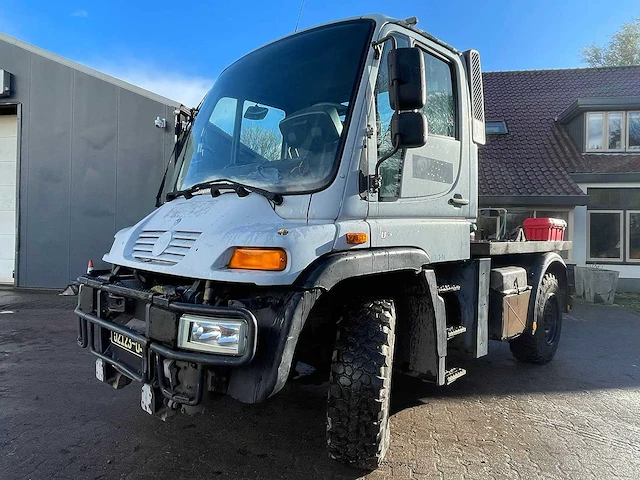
<point x="576" y="417"/>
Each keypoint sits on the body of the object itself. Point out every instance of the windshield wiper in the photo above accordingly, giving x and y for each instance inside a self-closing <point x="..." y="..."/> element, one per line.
<point x="216" y="185"/>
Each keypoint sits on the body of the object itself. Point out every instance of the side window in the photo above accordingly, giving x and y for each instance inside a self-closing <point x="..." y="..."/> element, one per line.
<point x="391" y="169"/>
<point x="260" y="130"/>
<point x="440" y="108"/>
<point x="224" y="114"/>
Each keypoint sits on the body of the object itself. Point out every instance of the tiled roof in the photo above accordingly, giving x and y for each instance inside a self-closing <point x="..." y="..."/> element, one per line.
<point x="538" y="154"/>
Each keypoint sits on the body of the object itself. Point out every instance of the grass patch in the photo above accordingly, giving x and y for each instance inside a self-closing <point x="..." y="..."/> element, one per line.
<point x="628" y="300"/>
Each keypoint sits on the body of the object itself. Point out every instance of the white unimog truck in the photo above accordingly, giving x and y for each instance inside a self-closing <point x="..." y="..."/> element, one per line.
<point x="320" y="211"/>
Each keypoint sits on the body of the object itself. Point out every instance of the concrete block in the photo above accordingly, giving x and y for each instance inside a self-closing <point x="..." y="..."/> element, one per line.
<point x="599" y="285"/>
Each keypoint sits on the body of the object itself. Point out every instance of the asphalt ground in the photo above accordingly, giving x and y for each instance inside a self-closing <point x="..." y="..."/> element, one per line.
<point x="577" y="417"/>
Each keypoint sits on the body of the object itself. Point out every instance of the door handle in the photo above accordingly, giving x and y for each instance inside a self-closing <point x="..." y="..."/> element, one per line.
<point x="458" y="201"/>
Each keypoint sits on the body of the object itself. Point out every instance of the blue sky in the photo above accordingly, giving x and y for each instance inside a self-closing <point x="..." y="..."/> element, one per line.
<point x="178" y="48"/>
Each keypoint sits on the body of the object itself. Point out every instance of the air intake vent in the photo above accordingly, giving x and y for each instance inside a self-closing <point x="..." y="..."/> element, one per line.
<point x="477" y="95"/>
<point x="163" y="247"/>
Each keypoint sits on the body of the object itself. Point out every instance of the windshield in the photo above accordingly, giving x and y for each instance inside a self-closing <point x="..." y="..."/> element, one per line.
<point x="277" y="118"/>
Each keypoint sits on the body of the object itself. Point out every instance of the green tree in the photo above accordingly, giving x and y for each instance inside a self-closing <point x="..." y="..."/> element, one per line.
<point x="623" y="48"/>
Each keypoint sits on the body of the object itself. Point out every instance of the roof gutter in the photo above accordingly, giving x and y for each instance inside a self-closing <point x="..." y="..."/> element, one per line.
<point x="592" y="104"/>
<point x="630" y="177"/>
<point x="533" y="200"/>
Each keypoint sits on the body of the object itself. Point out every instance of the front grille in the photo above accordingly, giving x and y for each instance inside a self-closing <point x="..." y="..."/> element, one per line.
<point x="180" y="244"/>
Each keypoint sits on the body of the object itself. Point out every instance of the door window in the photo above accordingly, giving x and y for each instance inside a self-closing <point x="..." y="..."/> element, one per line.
<point x="390" y="170"/>
<point x="433" y="169"/>
<point x="440" y="108"/>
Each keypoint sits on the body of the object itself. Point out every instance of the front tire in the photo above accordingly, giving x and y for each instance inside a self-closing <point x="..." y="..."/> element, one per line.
<point x="541" y="347"/>
<point x="360" y="384"/>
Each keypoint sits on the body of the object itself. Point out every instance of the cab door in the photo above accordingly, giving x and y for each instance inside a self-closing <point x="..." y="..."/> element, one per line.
<point x="425" y="195"/>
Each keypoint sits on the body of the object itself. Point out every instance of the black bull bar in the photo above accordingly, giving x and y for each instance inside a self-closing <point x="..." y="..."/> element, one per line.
<point x="153" y="353"/>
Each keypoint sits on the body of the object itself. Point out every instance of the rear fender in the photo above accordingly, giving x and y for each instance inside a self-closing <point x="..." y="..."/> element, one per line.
<point x="536" y="270"/>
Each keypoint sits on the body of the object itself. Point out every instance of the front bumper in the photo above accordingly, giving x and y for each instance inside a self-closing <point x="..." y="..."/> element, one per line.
<point x="151" y="327"/>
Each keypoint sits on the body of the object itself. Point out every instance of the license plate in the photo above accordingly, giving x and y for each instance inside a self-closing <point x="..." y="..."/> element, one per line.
<point x="126" y="343"/>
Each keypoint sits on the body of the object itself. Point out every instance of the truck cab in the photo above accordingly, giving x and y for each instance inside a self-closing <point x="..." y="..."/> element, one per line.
<point x="319" y="209"/>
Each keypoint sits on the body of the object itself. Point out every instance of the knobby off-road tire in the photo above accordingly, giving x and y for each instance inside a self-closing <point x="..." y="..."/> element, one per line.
<point x="540" y="347"/>
<point x="360" y="384"/>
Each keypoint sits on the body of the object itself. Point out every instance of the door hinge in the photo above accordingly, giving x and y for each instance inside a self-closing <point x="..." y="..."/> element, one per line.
<point x="377" y="50"/>
<point x="369" y="131"/>
<point x="375" y="182"/>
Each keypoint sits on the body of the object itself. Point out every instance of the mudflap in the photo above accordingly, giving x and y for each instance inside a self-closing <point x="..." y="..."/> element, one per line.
<point x="421" y="331"/>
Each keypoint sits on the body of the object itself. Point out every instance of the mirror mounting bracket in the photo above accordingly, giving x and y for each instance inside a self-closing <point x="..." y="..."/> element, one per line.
<point x="378" y="45"/>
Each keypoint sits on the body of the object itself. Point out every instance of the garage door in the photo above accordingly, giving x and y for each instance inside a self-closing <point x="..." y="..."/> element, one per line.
<point x="8" y="163"/>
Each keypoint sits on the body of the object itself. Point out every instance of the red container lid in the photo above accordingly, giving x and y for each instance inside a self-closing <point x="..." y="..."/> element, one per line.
<point x="544" y="222"/>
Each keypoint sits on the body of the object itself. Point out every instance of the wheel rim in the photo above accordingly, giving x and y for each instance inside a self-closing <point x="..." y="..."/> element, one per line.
<point x="550" y="318"/>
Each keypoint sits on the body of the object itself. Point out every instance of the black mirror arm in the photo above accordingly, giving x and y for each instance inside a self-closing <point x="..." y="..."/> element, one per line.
<point x="375" y="180"/>
<point x="378" y="45"/>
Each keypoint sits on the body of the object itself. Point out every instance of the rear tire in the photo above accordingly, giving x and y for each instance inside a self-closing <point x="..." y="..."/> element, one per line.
<point x="360" y="384"/>
<point x="540" y="347"/>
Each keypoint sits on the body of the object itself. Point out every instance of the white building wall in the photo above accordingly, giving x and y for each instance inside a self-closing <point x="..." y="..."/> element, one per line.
<point x="580" y="235"/>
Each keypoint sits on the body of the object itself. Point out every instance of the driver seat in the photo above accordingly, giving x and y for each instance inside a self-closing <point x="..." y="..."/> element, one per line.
<point x="315" y="129"/>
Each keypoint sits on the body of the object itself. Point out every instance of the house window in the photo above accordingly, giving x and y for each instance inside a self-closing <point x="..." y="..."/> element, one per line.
<point x="496" y="127"/>
<point x="614" y="128"/>
<point x="634" y="130"/>
<point x="595" y="131"/>
<point x="605" y="235"/>
<point x="612" y="131"/>
<point x="613" y="225"/>
<point x="633" y="235"/>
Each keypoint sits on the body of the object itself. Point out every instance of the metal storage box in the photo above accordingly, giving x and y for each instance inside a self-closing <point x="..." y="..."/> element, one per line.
<point x="508" y="302"/>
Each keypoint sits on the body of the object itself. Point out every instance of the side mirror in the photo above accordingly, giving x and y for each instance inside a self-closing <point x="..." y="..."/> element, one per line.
<point x="409" y="129"/>
<point x="407" y="81"/>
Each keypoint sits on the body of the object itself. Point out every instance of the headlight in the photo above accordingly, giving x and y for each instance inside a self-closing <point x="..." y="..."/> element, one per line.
<point x="212" y="335"/>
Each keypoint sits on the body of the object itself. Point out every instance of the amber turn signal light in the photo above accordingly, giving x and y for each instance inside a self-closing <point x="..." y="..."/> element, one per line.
<point x="274" y="259"/>
<point x="356" y="238"/>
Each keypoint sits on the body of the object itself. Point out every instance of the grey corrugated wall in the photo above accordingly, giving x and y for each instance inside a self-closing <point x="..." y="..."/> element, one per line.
<point x="90" y="164"/>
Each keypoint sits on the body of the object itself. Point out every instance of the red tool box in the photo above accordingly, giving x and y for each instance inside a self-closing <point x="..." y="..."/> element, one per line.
<point x="545" y="229"/>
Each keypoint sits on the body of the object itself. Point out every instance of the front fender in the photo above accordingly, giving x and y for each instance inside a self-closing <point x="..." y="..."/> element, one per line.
<point x="279" y="329"/>
<point x="328" y="271"/>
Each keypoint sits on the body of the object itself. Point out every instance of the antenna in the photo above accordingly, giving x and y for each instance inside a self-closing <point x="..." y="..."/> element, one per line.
<point x="299" y="15"/>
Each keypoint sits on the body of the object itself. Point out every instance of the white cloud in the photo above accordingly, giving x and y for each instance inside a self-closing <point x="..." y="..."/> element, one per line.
<point x="80" y="13"/>
<point x="186" y="89"/>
